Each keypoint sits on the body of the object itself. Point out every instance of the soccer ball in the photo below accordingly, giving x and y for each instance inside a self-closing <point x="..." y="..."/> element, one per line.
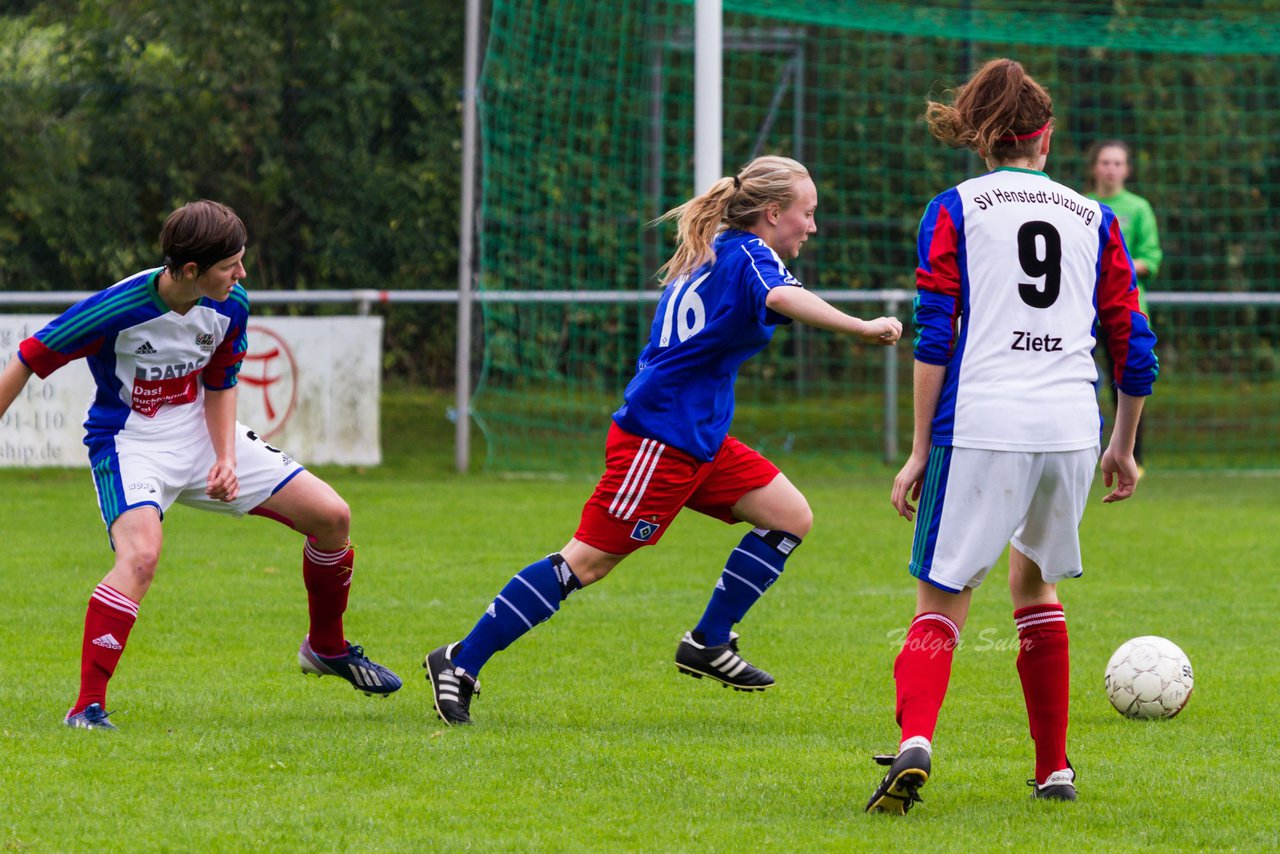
<point x="1149" y="677"/>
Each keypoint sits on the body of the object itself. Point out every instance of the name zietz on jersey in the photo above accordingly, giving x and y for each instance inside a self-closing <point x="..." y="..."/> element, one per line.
<point x="1010" y="269"/>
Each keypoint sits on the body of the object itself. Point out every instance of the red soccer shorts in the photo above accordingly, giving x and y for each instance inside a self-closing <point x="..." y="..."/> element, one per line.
<point x="646" y="483"/>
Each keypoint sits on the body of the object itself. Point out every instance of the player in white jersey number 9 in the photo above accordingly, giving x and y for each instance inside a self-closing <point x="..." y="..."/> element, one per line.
<point x="1016" y="274"/>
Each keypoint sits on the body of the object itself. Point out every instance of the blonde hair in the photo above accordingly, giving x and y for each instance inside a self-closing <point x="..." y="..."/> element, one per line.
<point x="999" y="103"/>
<point x="734" y="202"/>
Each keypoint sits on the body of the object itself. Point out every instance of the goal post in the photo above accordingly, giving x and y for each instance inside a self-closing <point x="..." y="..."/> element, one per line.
<point x="708" y="156"/>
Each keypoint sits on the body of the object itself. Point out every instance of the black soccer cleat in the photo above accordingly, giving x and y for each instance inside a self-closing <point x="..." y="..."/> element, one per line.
<point x="451" y="688"/>
<point x="1058" y="786"/>
<point x="721" y="663"/>
<point x="900" y="788"/>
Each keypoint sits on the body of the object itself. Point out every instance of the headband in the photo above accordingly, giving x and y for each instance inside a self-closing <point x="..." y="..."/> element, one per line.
<point x="1019" y="137"/>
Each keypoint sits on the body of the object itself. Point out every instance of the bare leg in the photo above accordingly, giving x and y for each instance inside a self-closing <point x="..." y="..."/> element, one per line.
<point x="776" y="507"/>
<point x="312" y="507"/>
<point x="137" y="537"/>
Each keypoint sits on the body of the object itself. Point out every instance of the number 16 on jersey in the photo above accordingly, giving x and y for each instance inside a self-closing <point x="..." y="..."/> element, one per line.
<point x="685" y="310"/>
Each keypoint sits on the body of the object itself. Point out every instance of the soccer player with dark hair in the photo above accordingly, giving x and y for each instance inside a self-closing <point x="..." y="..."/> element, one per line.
<point x="726" y="289"/>
<point x="165" y="347"/>
<point x="1017" y="276"/>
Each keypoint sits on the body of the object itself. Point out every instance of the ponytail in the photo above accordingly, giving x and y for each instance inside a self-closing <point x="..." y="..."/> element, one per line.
<point x="697" y="223"/>
<point x="734" y="202"/>
<point x="1000" y="113"/>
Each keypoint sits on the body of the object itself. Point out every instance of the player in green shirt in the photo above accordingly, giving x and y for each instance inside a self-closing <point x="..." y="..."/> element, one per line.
<point x="1108" y="170"/>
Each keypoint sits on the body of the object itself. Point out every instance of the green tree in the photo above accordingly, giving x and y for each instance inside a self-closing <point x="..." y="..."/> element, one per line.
<point x="332" y="127"/>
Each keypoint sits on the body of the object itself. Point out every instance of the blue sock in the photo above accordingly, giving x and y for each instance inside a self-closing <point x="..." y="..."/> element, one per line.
<point x="754" y="565"/>
<point x="531" y="597"/>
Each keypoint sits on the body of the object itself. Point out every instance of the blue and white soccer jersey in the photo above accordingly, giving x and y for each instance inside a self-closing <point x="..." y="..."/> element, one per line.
<point x="146" y="426"/>
<point x="1017" y="275"/>
<point x="707" y="324"/>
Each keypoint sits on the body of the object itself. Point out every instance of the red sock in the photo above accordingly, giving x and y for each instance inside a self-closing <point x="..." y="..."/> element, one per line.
<point x="922" y="671"/>
<point x="107" y="622"/>
<point x="1044" y="665"/>
<point x="327" y="576"/>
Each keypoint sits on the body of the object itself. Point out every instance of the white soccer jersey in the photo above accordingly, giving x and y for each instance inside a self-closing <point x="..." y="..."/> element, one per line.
<point x="150" y="364"/>
<point x="1016" y="272"/>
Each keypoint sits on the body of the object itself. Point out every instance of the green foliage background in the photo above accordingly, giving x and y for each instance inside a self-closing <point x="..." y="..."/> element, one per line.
<point x="331" y="127"/>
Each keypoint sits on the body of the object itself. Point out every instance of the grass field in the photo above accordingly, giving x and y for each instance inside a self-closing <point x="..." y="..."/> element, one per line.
<point x="586" y="736"/>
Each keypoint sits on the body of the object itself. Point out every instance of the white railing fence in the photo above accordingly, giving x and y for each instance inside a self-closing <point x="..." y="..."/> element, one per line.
<point x="894" y="302"/>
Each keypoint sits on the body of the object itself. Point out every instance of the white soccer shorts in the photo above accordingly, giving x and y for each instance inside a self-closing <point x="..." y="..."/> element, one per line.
<point x="136" y="475"/>
<point x="974" y="502"/>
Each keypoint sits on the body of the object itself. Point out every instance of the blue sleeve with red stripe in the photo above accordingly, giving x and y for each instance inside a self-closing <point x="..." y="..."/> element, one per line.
<point x="1125" y="330"/>
<point x="938" y="279"/>
<point x="75" y="334"/>
<point x="223" y="370"/>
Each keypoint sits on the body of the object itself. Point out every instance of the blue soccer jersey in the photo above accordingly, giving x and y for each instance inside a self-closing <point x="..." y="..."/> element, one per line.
<point x="707" y="324"/>
<point x="149" y="363"/>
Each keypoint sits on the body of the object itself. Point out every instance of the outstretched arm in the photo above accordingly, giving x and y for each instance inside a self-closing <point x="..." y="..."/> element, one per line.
<point x="12" y="380"/>
<point x="807" y="307"/>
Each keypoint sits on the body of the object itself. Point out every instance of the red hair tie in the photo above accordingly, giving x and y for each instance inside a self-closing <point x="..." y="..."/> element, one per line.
<point x="1019" y="137"/>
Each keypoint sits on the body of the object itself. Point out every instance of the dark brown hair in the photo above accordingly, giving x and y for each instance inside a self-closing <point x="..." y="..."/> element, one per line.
<point x="735" y="202"/>
<point x="204" y="232"/>
<point x="998" y="103"/>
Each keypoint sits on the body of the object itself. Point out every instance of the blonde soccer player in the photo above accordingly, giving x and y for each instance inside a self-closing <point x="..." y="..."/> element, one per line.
<point x="727" y="288"/>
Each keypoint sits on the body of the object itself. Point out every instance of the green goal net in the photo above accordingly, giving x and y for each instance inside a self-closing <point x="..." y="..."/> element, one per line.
<point x="587" y="130"/>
